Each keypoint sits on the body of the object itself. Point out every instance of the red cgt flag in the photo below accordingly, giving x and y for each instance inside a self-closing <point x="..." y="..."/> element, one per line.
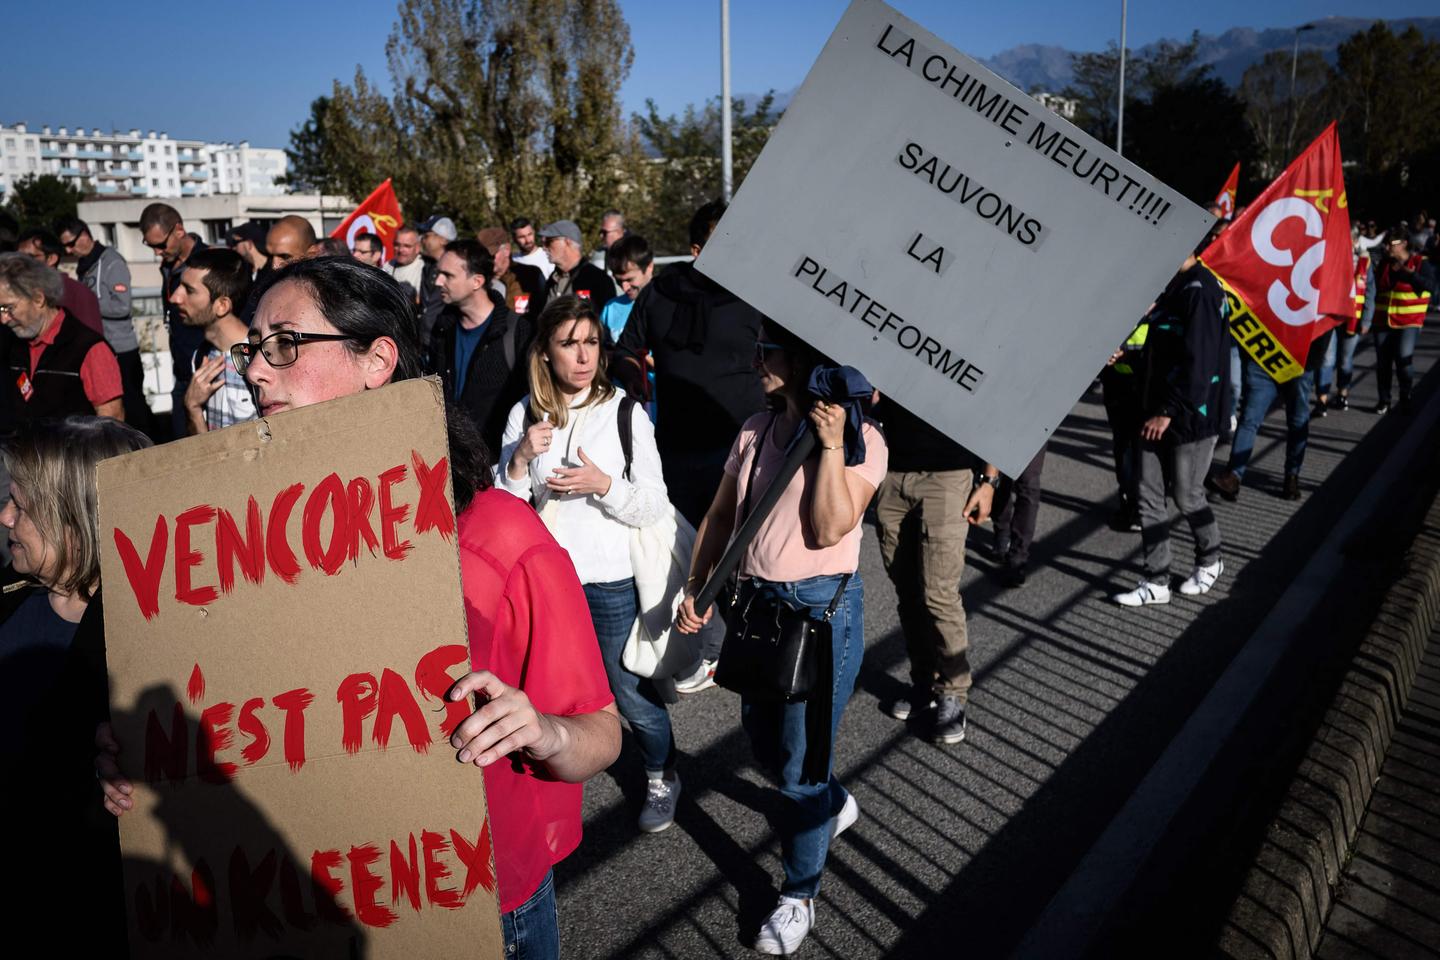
<point x="1226" y="199"/>
<point x="379" y="214"/>
<point x="1285" y="264"/>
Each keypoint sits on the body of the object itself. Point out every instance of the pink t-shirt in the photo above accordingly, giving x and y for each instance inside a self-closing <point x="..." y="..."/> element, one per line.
<point x="785" y="549"/>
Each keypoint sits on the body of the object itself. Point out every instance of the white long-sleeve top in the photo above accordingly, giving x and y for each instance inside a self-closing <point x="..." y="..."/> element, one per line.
<point x="591" y="527"/>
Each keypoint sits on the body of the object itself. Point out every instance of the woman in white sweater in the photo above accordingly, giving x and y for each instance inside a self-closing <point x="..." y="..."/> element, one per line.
<point x="562" y="450"/>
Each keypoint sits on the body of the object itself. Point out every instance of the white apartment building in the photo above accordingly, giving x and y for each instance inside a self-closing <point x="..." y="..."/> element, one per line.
<point x="1064" y="106"/>
<point x="135" y="164"/>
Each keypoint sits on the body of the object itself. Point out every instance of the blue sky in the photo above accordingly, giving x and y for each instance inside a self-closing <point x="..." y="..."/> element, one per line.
<point x="249" y="70"/>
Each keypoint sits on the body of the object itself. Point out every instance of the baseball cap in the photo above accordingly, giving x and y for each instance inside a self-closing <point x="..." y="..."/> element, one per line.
<point x="440" y="226"/>
<point x="561" y="228"/>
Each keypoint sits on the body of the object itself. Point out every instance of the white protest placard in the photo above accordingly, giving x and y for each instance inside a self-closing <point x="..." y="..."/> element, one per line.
<point x="974" y="254"/>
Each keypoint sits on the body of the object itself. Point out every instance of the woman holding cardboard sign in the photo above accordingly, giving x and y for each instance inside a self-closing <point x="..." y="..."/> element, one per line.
<point x="331" y="327"/>
<point x="804" y="561"/>
<point x="597" y="483"/>
<point x="52" y="666"/>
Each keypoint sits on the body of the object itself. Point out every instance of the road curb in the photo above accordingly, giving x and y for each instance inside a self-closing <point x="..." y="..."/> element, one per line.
<point x="1288" y="890"/>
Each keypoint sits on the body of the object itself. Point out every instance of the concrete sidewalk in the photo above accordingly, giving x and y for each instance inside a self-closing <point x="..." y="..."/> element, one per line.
<point x="959" y="849"/>
<point x="1388" y="903"/>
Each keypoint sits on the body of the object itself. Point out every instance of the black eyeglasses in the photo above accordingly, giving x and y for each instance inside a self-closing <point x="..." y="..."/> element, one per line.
<point x="280" y="349"/>
<point x="70" y="244"/>
<point x="158" y="247"/>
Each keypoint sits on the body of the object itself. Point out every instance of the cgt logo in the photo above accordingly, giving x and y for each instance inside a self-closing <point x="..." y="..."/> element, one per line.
<point x="1303" y="268"/>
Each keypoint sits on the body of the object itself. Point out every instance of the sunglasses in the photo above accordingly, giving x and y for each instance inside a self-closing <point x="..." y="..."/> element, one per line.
<point x="762" y="348"/>
<point x="280" y="349"/>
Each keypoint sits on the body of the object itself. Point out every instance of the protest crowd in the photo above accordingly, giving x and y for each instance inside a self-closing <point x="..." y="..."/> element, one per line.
<point x="601" y="410"/>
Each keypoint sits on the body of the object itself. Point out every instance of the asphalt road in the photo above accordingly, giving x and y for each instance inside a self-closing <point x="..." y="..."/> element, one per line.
<point x="959" y="848"/>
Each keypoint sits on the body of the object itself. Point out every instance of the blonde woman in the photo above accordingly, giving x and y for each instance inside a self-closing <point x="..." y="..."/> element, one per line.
<point x="52" y="666"/>
<point x="562" y="450"/>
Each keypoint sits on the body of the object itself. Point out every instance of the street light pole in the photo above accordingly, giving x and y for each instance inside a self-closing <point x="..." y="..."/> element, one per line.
<point x="1120" y="126"/>
<point x="1290" y="101"/>
<point x="727" y="165"/>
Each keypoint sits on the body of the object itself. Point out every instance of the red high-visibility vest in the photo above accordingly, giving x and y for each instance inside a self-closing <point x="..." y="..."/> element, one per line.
<point x="1400" y="304"/>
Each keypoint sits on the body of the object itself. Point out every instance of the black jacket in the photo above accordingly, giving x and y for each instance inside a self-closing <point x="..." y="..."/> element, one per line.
<point x="703" y="339"/>
<point x="1186" y="364"/>
<point x="492" y="385"/>
<point x="59" y="830"/>
<point x="589" y="283"/>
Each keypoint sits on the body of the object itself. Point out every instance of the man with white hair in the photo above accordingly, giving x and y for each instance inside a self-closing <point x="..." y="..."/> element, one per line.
<point x="54" y="366"/>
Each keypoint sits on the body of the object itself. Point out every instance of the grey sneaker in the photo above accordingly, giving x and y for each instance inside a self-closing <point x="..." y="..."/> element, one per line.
<point x="661" y="796"/>
<point x="918" y="699"/>
<point x="949" y="720"/>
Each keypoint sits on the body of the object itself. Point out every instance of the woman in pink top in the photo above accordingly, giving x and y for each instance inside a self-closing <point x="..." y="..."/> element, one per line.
<point x="807" y="554"/>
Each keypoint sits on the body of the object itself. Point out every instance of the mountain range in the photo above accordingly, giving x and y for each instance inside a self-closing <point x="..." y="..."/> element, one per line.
<point x="1034" y="66"/>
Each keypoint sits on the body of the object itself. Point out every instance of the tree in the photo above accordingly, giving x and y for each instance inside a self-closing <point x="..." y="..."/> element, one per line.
<point x="501" y="108"/>
<point x="308" y="169"/>
<point x="1203" y="114"/>
<point x="1283" y="128"/>
<point x="687" y="170"/>
<point x="1096" y="82"/>
<point x="38" y="201"/>
<point x="1385" y="85"/>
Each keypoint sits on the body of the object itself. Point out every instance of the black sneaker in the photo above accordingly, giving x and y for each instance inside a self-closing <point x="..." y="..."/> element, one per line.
<point x="1012" y="575"/>
<point x="1342" y="402"/>
<point x="949" y="720"/>
<point x="1322" y="408"/>
<point x="1383" y="407"/>
<point x="917" y="700"/>
<point x="1405" y="406"/>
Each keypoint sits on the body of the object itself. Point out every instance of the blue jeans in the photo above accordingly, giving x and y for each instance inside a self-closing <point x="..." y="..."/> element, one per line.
<point x="1261" y="392"/>
<point x="1345" y="358"/>
<point x="777" y="731"/>
<point x="532" y="930"/>
<point x="613" y="607"/>
<point x="1325" y="374"/>
<point x="1236" y="381"/>
<point x="1396" y="356"/>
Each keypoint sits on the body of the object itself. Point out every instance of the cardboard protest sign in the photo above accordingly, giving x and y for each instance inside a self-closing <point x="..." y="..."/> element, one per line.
<point x="974" y="254"/>
<point x="283" y="616"/>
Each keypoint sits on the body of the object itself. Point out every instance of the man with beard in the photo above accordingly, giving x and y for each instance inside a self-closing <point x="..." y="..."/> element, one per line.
<point x="522" y="231"/>
<point x="214" y="284"/>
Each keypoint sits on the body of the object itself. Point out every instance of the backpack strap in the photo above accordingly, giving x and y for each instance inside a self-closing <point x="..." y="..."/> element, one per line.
<point x="508" y="341"/>
<point x="625" y="425"/>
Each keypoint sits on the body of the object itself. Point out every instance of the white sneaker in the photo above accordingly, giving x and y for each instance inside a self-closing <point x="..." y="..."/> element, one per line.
<point x="702" y="679"/>
<point x="1144" y="594"/>
<point x="1202" y="579"/>
<point x="846" y="818"/>
<point x="786" y="928"/>
<point x="661" y="796"/>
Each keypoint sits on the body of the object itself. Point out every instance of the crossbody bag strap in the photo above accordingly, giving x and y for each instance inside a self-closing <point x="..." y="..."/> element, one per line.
<point x="754" y="466"/>
<point x="835" y="601"/>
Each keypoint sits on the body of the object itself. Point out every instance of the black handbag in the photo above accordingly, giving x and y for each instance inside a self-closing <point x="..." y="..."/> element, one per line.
<point x="776" y="652"/>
